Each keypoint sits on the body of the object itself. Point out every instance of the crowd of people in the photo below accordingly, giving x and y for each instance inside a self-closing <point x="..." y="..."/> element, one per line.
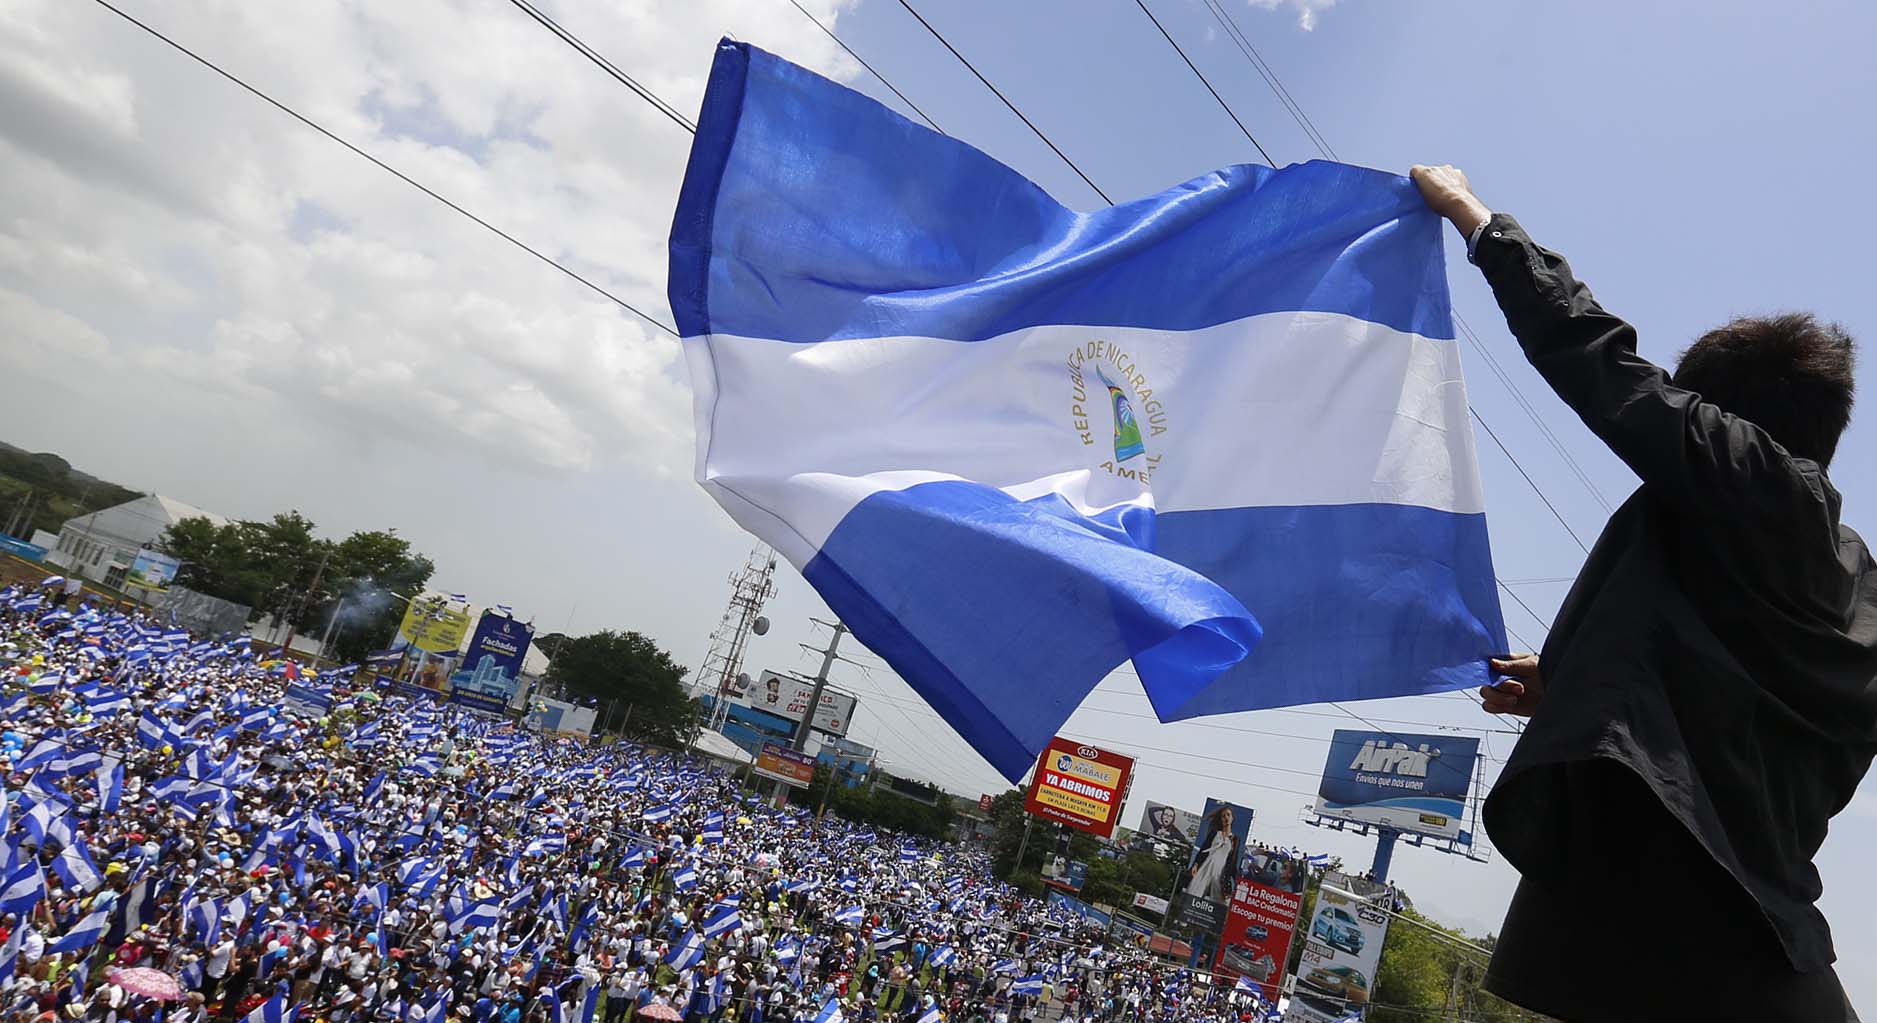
<point x="283" y="846"/>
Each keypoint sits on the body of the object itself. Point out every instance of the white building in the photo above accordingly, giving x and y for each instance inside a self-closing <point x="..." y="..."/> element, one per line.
<point x="101" y="546"/>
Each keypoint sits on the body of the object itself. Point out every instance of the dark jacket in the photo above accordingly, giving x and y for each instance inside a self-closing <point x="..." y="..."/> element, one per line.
<point x="1721" y="640"/>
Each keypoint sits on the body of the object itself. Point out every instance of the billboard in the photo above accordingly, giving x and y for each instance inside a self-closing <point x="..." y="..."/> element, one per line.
<point x="1135" y="933"/>
<point x="430" y="624"/>
<point x="1254" y="942"/>
<point x="1341" y="949"/>
<point x="491" y="667"/>
<point x="785" y="765"/>
<point x="1211" y="874"/>
<point x="788" y="697"/>
<point x="1150" y="903"/>
<point x="1080" y="786"/>
<point x="1164" y="823"/>
<point x="984" y="802"/>
<point x="1415" y="783"/>
<point x="152" y="570"/>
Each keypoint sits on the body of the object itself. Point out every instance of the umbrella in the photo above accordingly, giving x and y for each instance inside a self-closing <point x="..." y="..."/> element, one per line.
<point x="664" y="1012"/>
<point x="147" y="983"/>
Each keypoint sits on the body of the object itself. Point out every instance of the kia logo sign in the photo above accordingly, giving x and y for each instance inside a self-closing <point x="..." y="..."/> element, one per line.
<point x="1087" y="752"/>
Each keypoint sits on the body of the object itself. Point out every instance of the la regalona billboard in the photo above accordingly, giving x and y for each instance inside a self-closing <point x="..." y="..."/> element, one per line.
<point x="1254" y="942"/>
<point x="1079" y="786"/>
<point x="1415" y="783"/>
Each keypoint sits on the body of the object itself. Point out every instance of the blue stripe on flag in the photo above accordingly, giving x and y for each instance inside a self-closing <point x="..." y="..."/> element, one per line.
<point x="1357" y="602"/>
<point x="981" y="554"/>
<point x="923" y="260"/>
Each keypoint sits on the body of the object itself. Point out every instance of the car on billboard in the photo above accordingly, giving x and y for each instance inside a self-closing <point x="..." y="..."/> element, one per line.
<point x="1250" y="961"/>
<point x="1338" y="928"/>
<point x="1343" y="983"/>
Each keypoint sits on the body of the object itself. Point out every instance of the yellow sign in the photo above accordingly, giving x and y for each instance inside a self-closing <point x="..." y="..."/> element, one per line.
<point x="432" y="625"/>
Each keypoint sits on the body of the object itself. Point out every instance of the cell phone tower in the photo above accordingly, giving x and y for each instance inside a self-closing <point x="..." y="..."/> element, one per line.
<point x="750" y="588"/>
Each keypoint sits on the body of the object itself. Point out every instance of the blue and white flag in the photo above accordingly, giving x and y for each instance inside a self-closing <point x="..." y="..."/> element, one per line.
<point x="850" y="917"/>
<point x="831" y="1012"/>
<point x="274" y="1010"/>
<point x="721" y="919"/>
<point x="110" y="786"/>
<point x="687" y="953"/>
<point x="373" y="790"/>
<point x="475" y="915"/>
<point x="931" y="1015"/>
<point x="74" y="866"/>
<point x="1244" y="986"/>
<point x="25" y="887"/>
<point x="83" y="934"/>
<point x="1220" y="431"/>
<point x="10" y="952"/>
<point x="1030" y="985"/>
<point x="155" y="733"/>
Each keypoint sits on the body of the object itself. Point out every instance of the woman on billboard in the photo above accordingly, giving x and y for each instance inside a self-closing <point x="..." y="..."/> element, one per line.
<point x="1215" y="866"/>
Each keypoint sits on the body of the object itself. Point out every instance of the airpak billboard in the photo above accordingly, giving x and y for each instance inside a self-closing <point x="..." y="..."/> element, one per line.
<point x="1415" y="783"/>
<point x="1079" y="786"/>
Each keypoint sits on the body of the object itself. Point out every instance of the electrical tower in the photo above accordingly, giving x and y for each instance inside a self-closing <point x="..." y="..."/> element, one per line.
<point x="750" y="588"/>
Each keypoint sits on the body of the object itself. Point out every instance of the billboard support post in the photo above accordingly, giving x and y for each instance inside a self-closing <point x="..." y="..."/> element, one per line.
<point x="1384" y="853"/>
<point x="1023" y="845"/>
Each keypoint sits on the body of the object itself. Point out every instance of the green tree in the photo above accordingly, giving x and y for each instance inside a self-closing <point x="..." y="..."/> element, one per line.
<point x="209" y="554"/>
<point x="609" y="665"/>
<point x="371" y="569"/>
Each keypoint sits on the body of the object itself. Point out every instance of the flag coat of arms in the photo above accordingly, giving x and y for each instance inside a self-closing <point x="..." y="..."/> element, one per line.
<point x="1220" y="431"/>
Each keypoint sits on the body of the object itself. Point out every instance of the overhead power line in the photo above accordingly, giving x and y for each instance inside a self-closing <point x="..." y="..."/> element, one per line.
<point x="995" y="91"/>
<point x="605" y="65"/>
<point x="870" y="70"/>
<point x="1232" y="31"/>
<point x="1168" y="36"/>
<point x="387" y="168"/>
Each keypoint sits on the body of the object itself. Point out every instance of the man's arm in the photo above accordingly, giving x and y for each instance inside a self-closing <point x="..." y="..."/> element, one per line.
<point x="1703" y="459"/>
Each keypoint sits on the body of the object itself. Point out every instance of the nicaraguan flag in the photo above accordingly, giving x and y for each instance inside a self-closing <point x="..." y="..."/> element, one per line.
<point x="476" y="915"/>
<point x="830" y="1013"/>
<point x="721" y="919"/>
<point x="1030" y="985"/>
<point x="849" y="917"/>
<point x="931" y="1015"/>
<point x="84" y="934"/>
<point x="110" y="778"/>
<point x="24" y="889"/>
<point x="274" y="1010"/>
<point x="687" y="953"/>
<point x="10" y="952"/>
<point x="1220" y="431"/>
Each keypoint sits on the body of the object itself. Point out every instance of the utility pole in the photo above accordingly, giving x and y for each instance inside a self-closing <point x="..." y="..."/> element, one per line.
<point x="305" y="595"/>
<point x="807" y="723"/>
<point x="828" y="657"/>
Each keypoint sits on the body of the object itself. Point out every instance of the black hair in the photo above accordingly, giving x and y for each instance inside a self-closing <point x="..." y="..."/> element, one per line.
<point x="1789" y="374"/>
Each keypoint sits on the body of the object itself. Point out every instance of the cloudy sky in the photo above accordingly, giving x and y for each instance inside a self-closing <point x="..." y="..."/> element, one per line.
<point x="201" y="297"/>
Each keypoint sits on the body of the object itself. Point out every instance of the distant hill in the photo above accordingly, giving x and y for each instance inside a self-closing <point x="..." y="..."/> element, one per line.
<point x="40" y="490"/>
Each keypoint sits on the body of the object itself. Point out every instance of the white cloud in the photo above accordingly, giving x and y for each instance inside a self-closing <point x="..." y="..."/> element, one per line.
<point x="1306" y="10"/>
<point x="159" y="217"/>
